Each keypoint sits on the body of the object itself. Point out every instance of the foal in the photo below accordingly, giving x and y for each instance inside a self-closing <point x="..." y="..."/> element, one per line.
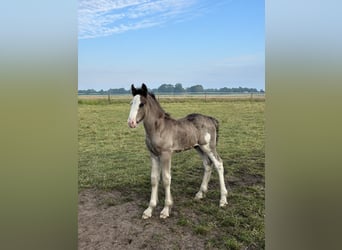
<point x="165" y="135"/>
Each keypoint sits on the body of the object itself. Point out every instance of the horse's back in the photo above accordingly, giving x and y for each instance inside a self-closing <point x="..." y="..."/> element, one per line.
<point x="202" y="121"/>
<point x="203" y="124"/>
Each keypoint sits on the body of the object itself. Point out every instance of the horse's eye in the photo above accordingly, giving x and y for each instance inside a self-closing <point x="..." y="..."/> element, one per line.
<point x="141" y="105"/>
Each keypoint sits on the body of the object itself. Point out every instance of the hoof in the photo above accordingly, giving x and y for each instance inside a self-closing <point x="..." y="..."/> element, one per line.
<point x="199" y="196"/>
<point x="223" y="203"/>
<point x="147" y="214"/>
<point x="164" y="213"/>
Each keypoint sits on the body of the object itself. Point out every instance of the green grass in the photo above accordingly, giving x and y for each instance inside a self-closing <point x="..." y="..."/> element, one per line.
<point x="112" y="156"/>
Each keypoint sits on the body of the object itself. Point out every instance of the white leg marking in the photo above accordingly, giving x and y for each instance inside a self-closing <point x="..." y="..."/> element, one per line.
<point x="220" y="170"/>
<point x="206" y="177"/>
<point x="155" y="176"/>
<point x="166" y="173"/>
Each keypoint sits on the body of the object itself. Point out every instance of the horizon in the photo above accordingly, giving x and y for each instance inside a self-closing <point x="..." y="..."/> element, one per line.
<point x="198" y="42"/>
<point x="185" y="87"/>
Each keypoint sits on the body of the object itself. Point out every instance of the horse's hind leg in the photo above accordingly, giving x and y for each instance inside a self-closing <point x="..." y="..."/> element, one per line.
<point x="220" y="170"/>
<point x="207" y="164"/>
<point x="210" y="150"/>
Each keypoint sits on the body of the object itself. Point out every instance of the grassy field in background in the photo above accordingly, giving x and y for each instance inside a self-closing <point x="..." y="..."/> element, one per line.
<point x="112" y="156"/>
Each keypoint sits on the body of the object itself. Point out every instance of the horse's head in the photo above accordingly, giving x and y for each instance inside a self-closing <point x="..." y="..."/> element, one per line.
<point x="137" y="112"/>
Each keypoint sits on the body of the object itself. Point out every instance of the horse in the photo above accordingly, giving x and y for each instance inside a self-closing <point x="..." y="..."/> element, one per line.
<point x="166" y="135"/>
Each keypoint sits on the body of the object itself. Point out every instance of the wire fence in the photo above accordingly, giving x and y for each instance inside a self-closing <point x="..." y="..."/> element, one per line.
<point x="205" y="96"/>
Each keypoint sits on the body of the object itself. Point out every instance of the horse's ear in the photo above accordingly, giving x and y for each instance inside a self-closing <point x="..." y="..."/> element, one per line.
<point x="144" y="89"/>
<point x="133" y="90"/>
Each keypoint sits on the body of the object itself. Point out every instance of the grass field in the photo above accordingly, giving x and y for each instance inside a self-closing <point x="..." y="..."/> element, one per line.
<point x="114" y="157"/>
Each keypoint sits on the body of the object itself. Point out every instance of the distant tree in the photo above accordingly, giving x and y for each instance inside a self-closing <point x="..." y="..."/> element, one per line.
<point x="169" y="88"/>
<point x="87" y="92"/>
<point x="196" y="89"/>
<point x="166" y="88"/>
<point x="118" y="91"/>
<point x="225" y="89"/>
<point x="211" y="90"/>
<point x="179" y="88"/>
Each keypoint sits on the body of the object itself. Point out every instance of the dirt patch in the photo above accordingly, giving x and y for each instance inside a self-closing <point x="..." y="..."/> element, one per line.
<point x="108" y="220"/>
<point x="246" y="180"/>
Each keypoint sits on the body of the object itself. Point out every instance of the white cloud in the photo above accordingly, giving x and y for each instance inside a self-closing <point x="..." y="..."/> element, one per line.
<point x="97" y="18"/>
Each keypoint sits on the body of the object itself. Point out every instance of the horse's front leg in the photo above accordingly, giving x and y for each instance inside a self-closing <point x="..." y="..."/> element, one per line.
<point x="165" y="162"/>
<point x="155" y="176"/>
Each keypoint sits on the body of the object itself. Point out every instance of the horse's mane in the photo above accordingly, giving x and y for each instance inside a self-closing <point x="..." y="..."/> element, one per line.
<point x="167" y="115"/>
<point x="153" y="96"/>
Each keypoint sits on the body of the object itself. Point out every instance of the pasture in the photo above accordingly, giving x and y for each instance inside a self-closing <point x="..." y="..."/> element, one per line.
<point x="114" y="179"/>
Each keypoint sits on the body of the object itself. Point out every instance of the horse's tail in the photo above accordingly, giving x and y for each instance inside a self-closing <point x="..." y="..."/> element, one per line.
<point x="217" y="125"/>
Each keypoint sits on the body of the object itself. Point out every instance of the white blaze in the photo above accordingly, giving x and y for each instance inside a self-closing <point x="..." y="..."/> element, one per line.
<point x="132" y="122"/>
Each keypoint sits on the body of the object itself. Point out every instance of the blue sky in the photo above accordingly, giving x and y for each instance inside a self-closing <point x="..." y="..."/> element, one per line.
<point x="213" y="43"/>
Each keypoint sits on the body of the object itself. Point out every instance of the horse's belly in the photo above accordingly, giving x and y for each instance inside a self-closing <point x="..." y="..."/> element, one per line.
<point x="184" y="142"/>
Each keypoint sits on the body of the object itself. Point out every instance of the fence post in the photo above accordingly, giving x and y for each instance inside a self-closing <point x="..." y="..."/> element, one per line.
<point x="108" y="97"/>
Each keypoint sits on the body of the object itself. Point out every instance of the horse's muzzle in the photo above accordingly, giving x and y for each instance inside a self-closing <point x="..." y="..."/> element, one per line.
<point x="132" y="123"/>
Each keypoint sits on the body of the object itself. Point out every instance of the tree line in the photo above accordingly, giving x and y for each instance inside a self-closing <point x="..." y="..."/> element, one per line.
<point x="173" y="89"/>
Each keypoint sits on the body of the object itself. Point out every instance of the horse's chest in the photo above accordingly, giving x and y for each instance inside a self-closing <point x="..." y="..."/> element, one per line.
<point x="156" y="144"/>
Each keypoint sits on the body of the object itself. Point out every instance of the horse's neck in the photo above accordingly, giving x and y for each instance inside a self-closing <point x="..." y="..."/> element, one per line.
<point x="154" y="119"/>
